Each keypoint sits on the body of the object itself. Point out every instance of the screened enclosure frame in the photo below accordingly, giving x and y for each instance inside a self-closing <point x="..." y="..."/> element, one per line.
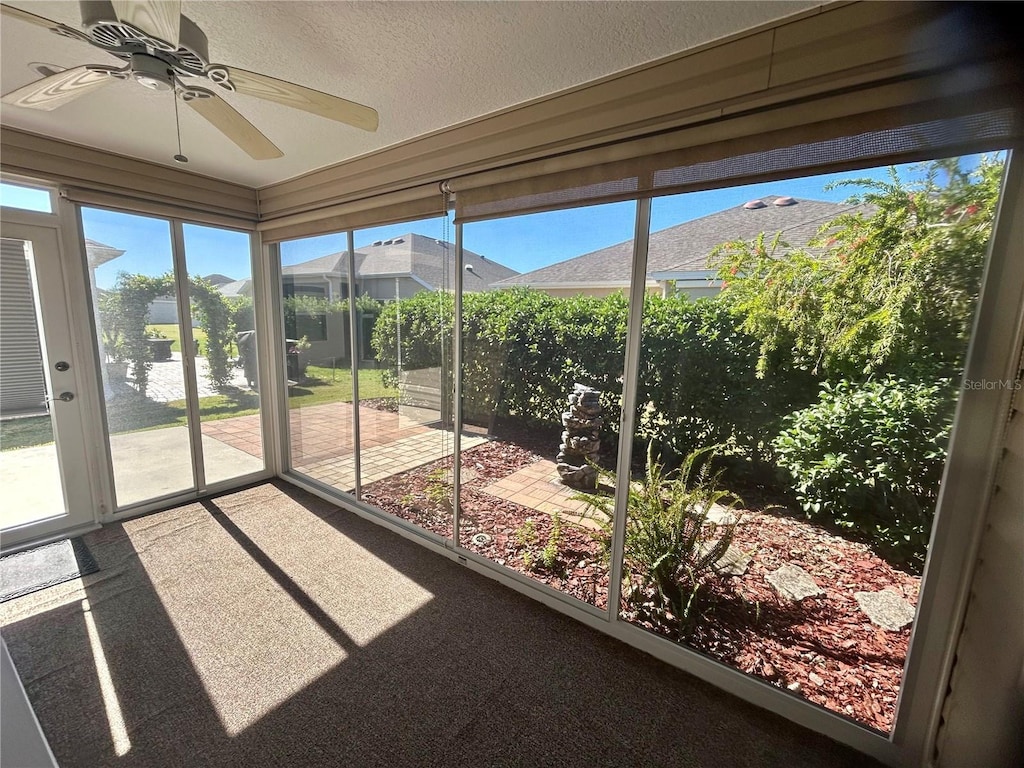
<point x="955" y="536"/>
<point x="733" y="112"/>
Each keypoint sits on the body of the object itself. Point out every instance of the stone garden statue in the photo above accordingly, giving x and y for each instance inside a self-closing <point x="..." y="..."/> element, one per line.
<point x="581" y="438"/>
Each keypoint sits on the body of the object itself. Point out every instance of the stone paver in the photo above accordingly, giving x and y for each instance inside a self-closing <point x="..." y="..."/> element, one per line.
<point x="382" y="462"/>
<point x="886" y="608"/>
<point x="793" y="583"/>
<point x="537" y="486"/>
<point x="167" y="379"/>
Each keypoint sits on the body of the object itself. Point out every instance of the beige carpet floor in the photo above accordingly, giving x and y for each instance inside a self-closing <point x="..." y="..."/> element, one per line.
<point x="267" y="627"/>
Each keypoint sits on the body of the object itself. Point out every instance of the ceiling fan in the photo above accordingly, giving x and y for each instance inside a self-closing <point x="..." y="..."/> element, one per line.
<point x="161" y="46"/>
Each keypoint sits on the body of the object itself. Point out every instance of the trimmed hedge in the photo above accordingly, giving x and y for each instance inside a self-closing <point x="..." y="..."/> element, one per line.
<point x="523" y="350"/>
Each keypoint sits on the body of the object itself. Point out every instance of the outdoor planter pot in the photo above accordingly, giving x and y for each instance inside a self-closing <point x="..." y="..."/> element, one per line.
<point x="117" y="371"/>
<point x="161" y="348"/>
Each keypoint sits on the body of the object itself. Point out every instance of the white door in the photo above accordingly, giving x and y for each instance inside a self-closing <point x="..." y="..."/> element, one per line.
<point x="43" y="468"/>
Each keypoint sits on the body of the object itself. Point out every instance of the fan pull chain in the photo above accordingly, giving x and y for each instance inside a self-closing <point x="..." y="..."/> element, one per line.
<point x="180" y="158"/>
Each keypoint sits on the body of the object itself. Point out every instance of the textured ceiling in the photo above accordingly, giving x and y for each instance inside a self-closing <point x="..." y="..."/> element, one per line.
<point x="422" y="65"/>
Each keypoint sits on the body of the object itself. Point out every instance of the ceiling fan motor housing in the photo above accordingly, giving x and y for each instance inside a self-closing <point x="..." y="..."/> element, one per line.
<point x="151" y="72"/>
<point x="189" y="58"/>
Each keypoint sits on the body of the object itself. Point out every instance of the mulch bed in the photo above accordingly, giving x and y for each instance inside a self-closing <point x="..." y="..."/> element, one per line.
<point x="823" y="648"/>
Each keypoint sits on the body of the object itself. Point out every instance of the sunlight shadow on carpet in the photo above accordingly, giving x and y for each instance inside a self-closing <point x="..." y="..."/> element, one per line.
<point x="278" y="602"/>
<point x="115" y="718"/>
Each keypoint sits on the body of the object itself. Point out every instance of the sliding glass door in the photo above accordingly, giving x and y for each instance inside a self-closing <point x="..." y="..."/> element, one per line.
<point x="173" y="313"/>
<point x="368" y="329"/>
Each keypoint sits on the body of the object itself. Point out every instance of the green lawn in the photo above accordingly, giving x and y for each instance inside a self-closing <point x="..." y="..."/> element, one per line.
<point x="326" y="385"/>
<point x="171" y="331"/>
<point x="130" y="412"/>
<point x="22" y="433"/>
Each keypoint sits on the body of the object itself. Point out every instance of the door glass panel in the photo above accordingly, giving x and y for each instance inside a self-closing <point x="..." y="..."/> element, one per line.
<point x="29" y="468"/>
<point x="807" y="341"/>
<point x="544" y="331"/>
<point x="25" y="198"/>
<point x="314" y="274"/>
<point x="405" y="305"/>
<point x="219" y="264"/>
<point x="139" y="337"/>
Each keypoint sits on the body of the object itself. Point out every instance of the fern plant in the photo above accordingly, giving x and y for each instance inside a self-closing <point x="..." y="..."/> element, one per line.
<point x="670" y="543"/>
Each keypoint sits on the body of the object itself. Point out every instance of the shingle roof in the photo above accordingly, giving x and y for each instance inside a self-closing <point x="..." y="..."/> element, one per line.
<point x="412" y="254"/>
<point x="216" y="278"/>
<point x="236" y="288"/>
<point x="686" y="246"/>
<point x="99" y="253"/>
<point x="318" y="266"/>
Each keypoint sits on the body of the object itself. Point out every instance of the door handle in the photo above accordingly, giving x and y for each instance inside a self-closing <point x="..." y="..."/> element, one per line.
<point x="64" y="397"/>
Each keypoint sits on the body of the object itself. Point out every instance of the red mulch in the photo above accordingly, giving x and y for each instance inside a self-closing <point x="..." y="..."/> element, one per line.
<point x="822" y="648"/>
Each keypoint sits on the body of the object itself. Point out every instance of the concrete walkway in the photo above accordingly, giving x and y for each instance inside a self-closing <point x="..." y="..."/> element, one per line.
<point x="157" y="462"/>
<point x="32" y="491"/>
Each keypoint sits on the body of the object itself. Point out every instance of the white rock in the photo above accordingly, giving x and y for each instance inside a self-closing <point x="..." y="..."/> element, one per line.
<point x="886" y="609"/>
<point x="793" y="583"/>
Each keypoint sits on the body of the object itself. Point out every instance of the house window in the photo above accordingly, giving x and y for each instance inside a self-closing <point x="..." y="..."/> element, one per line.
<point x="543" y="359"/>
<point x="305" y="312"/>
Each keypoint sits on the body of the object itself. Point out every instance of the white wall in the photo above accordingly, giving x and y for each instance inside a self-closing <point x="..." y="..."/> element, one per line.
<point x="983" y="716"/>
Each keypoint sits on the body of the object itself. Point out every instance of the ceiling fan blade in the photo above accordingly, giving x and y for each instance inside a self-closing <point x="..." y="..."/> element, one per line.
<point x="31" y="18"/>
<point x="306" y="99"/>
<point x="159" y="18"/>
<point x="57" y="90"/>
<point x="228" y="121"/>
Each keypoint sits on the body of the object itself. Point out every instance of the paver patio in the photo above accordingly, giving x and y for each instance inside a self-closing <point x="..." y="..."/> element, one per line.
<point x="322" y="448"/>
<point x="166" y="381"/>
<point x="537" y="486"/>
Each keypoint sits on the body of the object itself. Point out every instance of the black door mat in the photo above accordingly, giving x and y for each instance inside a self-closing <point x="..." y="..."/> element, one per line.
<point x="33" y="569"/>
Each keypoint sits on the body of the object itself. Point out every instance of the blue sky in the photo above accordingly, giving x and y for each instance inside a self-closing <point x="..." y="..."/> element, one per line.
<point x="523" y="242"/>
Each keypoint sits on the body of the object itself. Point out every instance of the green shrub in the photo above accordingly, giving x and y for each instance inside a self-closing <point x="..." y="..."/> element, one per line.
<point x="869" y="458"/>
<point x="885" y="289"/>
<point x="700" y="383"/>
<point x="523" y="351"/>
<point x="670" y="543"/>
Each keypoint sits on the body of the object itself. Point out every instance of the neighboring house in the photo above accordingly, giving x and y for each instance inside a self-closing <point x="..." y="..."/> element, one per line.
<point x="385" y="269"/>
<point x="677" y="259"/>
<point x="402" y="266"/>
<point x="232" y="289"/>
<point x="23" y="381"/>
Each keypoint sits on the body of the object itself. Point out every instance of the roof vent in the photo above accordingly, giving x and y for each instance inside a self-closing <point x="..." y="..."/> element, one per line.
<point x="388" y="242"/>
<point x="753" y="205"/>
<point x="398" y="240"/>
<point x="378" y="242"/>
<point x="782" y="202"/>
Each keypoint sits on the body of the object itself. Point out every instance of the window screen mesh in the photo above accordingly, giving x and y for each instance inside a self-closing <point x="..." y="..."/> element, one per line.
<point x="823" y="147"/>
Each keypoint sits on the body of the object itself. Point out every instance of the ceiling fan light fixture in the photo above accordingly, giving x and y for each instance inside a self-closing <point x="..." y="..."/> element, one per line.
<point x="153" y="83"/>
<point x="150" y="72"/>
